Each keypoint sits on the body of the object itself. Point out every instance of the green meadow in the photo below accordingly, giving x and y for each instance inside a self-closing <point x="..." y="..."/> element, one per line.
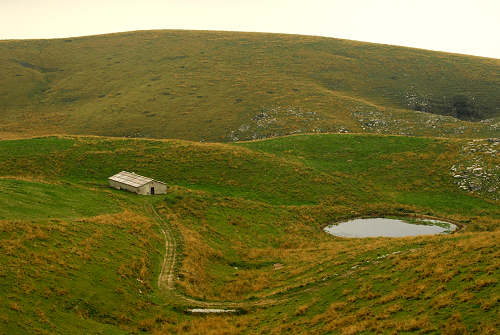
<point x="263" y="141"/>
<point x="247" y="220"/>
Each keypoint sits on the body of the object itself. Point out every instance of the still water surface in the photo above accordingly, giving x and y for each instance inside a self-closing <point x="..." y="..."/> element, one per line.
<point x="381" y="227"/>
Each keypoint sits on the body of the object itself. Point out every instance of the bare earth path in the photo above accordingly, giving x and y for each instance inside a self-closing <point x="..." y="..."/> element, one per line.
<point x="166" y="277"/>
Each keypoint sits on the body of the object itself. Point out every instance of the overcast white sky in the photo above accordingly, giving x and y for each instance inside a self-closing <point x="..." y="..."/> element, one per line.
<point x="462" y="26"/>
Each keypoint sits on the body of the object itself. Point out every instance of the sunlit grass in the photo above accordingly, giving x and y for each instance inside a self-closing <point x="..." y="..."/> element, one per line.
<point x="206" y="85"/>
<point x="78" y="256"/>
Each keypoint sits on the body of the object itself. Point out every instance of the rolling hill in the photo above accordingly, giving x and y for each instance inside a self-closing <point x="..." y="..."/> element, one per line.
<point x="226" y="86"/>
<point x="301" y="132"/>
<point x="244" y="222"/>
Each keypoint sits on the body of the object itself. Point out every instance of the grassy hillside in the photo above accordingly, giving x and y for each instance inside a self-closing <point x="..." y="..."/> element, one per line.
<point x="247" y="218"/>
<point x="223" y="86"/>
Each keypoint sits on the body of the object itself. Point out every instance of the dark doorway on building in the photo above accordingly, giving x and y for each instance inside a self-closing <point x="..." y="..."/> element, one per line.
<point x="152" y="190"/>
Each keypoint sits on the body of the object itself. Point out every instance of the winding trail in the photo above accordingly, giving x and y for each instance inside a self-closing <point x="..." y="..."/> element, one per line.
<point x="166" y="278"/>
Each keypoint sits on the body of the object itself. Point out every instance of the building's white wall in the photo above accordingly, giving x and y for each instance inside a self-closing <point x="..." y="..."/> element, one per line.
<point x="144" y="189"/>
<point x="121" y="186"/>
<point x="160" y="188"/>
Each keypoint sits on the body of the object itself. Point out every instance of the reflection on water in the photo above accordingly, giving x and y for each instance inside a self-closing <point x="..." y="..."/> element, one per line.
<point x="380" y="227"/>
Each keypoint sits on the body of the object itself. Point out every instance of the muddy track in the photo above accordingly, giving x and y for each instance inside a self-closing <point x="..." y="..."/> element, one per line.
<point x="166" y="277"/>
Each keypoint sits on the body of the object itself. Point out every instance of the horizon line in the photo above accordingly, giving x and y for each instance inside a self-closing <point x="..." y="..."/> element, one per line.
<point x="243" y="32"/>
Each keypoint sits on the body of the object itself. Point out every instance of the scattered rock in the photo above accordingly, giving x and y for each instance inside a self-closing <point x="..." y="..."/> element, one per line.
<point x="478" y="168"/>
<point x="276" y="121"/>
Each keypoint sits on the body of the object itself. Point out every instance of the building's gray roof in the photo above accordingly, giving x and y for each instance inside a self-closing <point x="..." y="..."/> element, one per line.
<point x="130" y="178"/>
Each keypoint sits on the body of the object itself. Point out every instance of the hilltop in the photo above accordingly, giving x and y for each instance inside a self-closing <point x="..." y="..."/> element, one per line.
<point x="228" y="86"/>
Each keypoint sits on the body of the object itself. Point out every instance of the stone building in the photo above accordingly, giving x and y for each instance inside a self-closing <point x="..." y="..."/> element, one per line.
<point x="138" y="184"/>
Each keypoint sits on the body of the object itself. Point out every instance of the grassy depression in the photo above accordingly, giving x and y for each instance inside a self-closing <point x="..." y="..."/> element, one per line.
<point x="248" y="218"/>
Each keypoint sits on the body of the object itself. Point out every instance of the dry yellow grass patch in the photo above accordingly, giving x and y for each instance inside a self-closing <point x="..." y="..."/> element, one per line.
<point x="196" y="253"/>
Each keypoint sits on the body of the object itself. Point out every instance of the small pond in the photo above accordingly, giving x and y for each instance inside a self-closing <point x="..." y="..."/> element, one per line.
<point x="381" y="227"/>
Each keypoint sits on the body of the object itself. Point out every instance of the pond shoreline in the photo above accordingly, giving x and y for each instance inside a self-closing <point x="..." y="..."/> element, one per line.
<point x="390" y="226"/>
<point x="460" y="225"/>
